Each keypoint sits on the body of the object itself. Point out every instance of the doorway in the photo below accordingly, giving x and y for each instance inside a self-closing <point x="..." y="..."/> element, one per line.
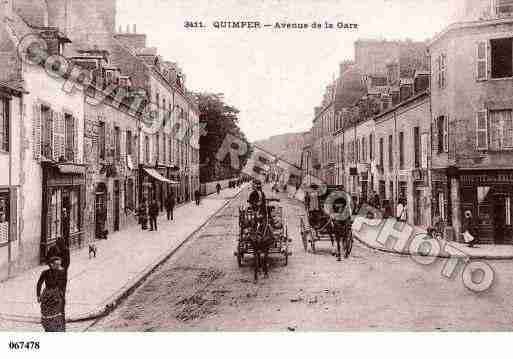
<point x="499" y="216"/>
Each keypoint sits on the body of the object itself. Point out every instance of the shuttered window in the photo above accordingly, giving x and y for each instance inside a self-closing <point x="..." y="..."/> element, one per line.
<point x="4" y="123"/>
<point x="46" y="132"/>
<point x="442" y="125"/>
<point x="500" y="127"/>
<point x="70" y="137"/>
<point x="101" y="140"/>
<point x="117" y="143"/>
<point x="390" y="152"/>
<point x="482" y="130"/>
<point x="482" y="61"/>
<point x="129" y="143"/>
<point x="401" y="150"/>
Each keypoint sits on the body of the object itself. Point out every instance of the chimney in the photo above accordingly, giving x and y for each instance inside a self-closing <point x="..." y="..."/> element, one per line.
<point x="134" y="29"/>
<point x="120" y="31"/>
<point x="128" y="29"/>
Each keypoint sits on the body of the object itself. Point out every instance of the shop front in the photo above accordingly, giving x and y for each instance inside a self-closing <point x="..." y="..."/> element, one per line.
<point x="488" y="194"/>
<point x="63" y="189"/>
<point x="154" y="185"/>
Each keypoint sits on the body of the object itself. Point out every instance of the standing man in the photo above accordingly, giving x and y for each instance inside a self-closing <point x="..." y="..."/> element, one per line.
<point x="257" y="197"/>
<point x="170" y="205"/>
<point x="197" y="197"/>
<point x="154" y="213"/>
<point x="218" y="188"/>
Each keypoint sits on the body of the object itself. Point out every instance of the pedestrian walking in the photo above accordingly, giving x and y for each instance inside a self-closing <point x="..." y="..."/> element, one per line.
<point x="307" y="200"/>
<point x="218" y="188"/>
<point x="170" y="205"/>
<point x="51" y="298"/>
<point x="401" y="210"/>
<point x="375" y="201"/>
<point x="153" y="212"/>
<point x="143" y="214"/>
<point x="469" y="231"/>
<point x="197" y="197"/>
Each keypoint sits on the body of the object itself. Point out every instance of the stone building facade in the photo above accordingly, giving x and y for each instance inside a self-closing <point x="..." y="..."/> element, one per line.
<point x="472" y="89"/>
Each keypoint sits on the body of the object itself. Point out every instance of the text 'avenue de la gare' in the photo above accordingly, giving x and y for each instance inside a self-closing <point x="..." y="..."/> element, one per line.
<point x="245" y="25"/>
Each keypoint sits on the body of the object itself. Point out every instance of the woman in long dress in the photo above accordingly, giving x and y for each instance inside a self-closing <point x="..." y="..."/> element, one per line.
<point x="52" y="296"/>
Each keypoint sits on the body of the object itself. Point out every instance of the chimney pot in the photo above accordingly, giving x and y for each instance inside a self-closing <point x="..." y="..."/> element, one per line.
<point x="128" y="29"/>
<point x="135" y="29"/>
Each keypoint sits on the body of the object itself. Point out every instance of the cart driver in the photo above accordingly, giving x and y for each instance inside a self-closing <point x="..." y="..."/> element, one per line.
<point x="257" y="197"/>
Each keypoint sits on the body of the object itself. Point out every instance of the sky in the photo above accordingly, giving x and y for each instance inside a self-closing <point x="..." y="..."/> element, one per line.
<point x="274" y="77"/>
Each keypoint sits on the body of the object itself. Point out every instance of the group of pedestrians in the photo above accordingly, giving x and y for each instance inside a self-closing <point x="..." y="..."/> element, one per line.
<point x="148" y="211"/>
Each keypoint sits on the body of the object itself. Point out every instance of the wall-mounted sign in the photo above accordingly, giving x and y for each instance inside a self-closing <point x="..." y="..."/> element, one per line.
<point x="71" y="169"/>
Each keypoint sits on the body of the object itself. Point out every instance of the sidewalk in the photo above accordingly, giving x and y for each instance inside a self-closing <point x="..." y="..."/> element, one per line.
<point x="96" y="285"/>
<point x="375" y="237"/>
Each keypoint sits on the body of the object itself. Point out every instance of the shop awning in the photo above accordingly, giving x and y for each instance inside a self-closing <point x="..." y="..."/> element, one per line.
<point x="153" y="173"/>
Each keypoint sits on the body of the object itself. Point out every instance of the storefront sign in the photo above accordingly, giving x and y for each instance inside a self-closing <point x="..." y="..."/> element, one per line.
<point x="487" y="178"/>
<point x="71" y="169"/>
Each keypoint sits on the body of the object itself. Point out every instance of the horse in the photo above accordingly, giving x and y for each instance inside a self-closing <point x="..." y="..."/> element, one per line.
<point x="261" y="239"/>
<point x="328" y="224"/>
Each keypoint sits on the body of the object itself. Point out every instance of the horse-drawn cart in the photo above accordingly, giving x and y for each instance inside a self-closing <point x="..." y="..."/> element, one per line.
<point x="320" y="226"/>
<point x="262" y="232"/>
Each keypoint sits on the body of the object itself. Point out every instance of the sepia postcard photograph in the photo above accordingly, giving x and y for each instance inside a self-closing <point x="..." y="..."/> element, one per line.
<point x="265" y="166"/>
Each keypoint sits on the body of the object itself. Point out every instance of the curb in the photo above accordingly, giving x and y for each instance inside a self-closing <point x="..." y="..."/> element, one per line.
<point x="442" y="255"/>
<point x="122" y="294"/>
<point x="118" y="297"/>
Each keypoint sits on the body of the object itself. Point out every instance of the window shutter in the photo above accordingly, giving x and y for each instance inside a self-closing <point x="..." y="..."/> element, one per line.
<point x="439" y="70"/>
<point x="36" y="132"/>
<point x="507" y="130"/>
<point x="59" y="136"/>
<point x="494" y="125"/>
<point x="109" y="140"/>
<point x="482" y="130"/>
<point x="55" y="136"/>
<point x="482" y="61"/>
<point x="122" y="145"/>
<point x="76" y="155"/>
<point x="446" y="134"/>
<point x="440" y="134"/>
<point x="13" y="214"/>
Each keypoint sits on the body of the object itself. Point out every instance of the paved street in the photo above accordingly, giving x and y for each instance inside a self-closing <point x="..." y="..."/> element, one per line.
<point x="201" y="288"/>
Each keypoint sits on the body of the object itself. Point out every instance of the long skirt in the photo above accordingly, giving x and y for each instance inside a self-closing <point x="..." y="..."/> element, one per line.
<point x="52" y="310"/>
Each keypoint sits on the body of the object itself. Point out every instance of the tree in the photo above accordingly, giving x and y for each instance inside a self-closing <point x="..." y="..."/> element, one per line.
<point x="218" y="119"/>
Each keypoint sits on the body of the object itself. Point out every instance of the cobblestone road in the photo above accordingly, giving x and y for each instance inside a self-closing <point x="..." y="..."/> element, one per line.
<point x="202" y="289"/>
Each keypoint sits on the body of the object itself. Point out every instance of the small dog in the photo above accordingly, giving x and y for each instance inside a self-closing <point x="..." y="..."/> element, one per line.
<point x="92" y="251"/>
